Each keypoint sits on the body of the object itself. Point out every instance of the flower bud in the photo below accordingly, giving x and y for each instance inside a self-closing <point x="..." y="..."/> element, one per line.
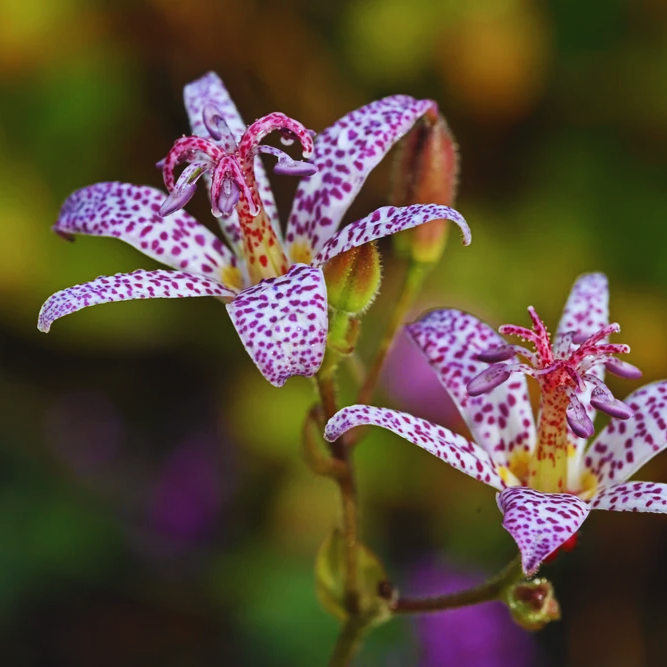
<point x="425" y="171"/>
<point x="533" y="604"/>
<point x="353" y="279"/>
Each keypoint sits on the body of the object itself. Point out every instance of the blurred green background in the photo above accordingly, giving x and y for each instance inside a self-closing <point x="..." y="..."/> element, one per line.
<point x="153" y="506"/>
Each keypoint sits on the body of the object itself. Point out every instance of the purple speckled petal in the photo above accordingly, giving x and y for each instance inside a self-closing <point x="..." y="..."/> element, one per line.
<point x="586" y="312"/>
<point x="210" y="91"/>
<point x="439" y="441"/>
<point x="587" y="308"/>
<point x="124" y="287"/>
<point x="283" y="323"/>
<point x="500" y="421"/>
<point x="632" y="497"/>
<point x="385" y="221"/>
<point x="539" y="522"/>
<point x="130" y="213"/>
<point x="345" y="154"/>
<point x="625" y="446"/>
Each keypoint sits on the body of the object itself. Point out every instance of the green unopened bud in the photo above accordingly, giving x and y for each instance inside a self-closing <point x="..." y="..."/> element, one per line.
<point x="533" y="604"/>
<point x="425" y="171"/>
<point x="353" y="279"/>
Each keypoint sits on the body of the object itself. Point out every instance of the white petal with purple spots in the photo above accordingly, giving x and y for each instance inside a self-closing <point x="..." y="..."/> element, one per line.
<point x="124" y="287"/>
<point x="632" y="497"/>
<point x="624" y="446"/>
<point x="501" y="420"/>
<point x="283" y="323"/>
<point x="345" y="154"/>
<point x="587" y="307"/>
<point x="439" y="441"/>
<point x="130" y="213"/>
<point x="586" y="312"/>
<point x="385" y="221"/>
<point x="539" y="522"/>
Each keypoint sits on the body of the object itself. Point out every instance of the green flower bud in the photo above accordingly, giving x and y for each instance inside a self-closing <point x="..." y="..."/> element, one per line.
<point x="353" y="279"/>
<point x="425" y="171"/>
<point x="533" y="604"/>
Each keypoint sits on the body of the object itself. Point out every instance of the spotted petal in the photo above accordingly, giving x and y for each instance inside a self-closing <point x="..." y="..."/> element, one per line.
<point x="209" y="90"/>
<point x="130" y="213"/>
<point x="283" y="323"/>
<point x="124" y="287"/>
<point x="539" y="522"/>
<point x="585" y="313"/>
<point x="385" y="221"/>
<point x="439" y="441"/>
<point x="632" y="497"/>
<point x="624" y="446"/>
<point x="501" y="421"/>
<point x="345" y="154"/>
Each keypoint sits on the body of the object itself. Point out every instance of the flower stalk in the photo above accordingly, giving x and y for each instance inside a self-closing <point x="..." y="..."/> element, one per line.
<point x="486" y="592"/>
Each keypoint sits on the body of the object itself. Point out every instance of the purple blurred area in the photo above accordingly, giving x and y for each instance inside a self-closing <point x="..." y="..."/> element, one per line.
<point x="479" y="636"/>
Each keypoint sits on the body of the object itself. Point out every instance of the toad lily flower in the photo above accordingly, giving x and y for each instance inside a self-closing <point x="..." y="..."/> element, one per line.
<point x="274" y="286"/>
<point x="547" y="477"/>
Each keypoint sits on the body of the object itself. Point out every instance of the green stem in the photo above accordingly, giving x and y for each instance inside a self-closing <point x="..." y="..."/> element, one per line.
<point x="412" y="283"/>
<point x="348" y="493"/>
<point x="491" y="590"/>
<point x="348" y="641"/>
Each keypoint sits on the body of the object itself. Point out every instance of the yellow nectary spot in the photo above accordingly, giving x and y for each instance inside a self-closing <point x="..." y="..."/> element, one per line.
<point x="589" y="485"/>
<point x="519" y="462"/>
<point x="571" y="451"/>
<point x="301" y="253"/>
<point x="231" y="276"/>
<point x="504" y="474"/>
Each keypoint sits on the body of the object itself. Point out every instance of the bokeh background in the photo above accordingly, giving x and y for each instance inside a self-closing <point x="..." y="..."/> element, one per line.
<point x="154" y="509"/>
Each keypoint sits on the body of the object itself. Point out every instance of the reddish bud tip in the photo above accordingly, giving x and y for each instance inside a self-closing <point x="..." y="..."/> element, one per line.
<point x="425" y="171"/>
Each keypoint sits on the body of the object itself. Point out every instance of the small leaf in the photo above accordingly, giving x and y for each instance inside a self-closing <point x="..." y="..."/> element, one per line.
<point x="330" y="570"/>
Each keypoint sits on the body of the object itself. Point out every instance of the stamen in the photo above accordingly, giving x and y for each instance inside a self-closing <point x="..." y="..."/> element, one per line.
<point x="229" y="196"/>
<point x="286" y="166"/>
<point x="603" y="400"/>
<point x="264" y="126"/>
<point x="177" y="199"/>
<point x="622" y="369"/>
<point x="613" y="407"/>
<point x="184" y="189"/>
<point x="489" y="379"/>
<point x="495" y="354"/>
<point x="576" y="416"/>
<point x="542" y="344"/>
<point x="228" y="169"/>
<point x="218" y="128"/>
<point x="187" y="149"/>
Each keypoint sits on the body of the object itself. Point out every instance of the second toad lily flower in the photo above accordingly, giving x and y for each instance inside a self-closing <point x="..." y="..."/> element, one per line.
<point x="547" y="477"/>
<point x="274" y="286"/>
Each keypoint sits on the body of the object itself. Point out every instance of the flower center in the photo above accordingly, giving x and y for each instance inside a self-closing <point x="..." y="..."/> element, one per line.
<point x="232" y="170"/>
<point x="563" y="373"/>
